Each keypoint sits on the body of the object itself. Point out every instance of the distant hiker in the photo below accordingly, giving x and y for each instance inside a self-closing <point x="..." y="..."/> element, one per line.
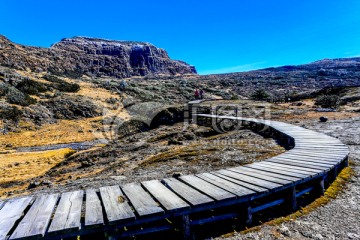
<point x="202" y="94"/>
<point x="196" y="94"/>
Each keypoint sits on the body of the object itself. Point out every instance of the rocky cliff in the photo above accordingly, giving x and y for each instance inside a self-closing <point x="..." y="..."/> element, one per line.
<point x="93" y="57"/>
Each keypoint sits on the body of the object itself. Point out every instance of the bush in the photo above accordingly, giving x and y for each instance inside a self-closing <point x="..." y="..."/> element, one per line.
<point x="260" y="94"/>
<point x="61" y="85"/>
<point x="10" y="113"/>
<point x="14" y="96"/>
<point x="328" y="101"/>
<point x="31" y="87"/>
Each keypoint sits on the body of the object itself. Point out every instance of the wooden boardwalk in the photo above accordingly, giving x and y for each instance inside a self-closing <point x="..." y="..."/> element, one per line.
<point x="157" y="205"/>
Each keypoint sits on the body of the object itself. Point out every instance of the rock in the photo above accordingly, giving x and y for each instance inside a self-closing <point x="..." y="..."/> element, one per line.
<point x="285" y="231"/>
<point x="318" y="237"/>
<point x="118" y="178"/>
<point x="353" y="236"/>
<point x="46" y="183"/>
<point x="33" y="185"/>
<point x="94" y="57"/>
<point x="176" y="174"/>
<point x="323" y="119"/>
<point x="86" y="164"/>
<point x="174" y="141"/>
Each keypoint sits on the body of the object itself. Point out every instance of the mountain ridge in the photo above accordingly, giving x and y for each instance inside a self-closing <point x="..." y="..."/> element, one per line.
<point x="94" y="57"/>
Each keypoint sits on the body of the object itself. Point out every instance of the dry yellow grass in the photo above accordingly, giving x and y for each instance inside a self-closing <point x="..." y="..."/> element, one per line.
<point x="23" y="166"/>
<point x="65" y="131"/>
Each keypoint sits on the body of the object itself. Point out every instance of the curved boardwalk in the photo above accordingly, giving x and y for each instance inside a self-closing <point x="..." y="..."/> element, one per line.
<point x="158" y="205"/>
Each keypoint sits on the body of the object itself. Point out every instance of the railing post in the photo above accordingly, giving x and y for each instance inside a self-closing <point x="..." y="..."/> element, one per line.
<point x="346" y="161"/>
<point x="186" y="227"/>
<point x="334" y="173"/>
<point x="321" y="187"/>
<point x="248" y="213"/>
<point x="193" y="114"/>
<point x="111" y="236"/>
<point x="293" y="198"/>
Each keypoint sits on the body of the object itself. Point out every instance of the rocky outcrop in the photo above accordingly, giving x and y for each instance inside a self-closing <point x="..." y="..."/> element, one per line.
<point x="69" y="107"/>
<point x="93" y="57"/>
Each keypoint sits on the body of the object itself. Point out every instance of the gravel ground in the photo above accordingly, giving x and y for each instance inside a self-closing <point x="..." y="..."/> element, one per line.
<point x="340" y="218"/>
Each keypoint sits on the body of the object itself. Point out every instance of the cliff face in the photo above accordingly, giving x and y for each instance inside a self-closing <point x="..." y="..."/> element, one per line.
<point x="91" y="56"/>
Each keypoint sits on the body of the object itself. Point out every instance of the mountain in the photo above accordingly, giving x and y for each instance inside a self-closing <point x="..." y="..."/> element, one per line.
<point x="350" y="64"/>
<point x="285" y="80"/>
<point x="93" y="57"/>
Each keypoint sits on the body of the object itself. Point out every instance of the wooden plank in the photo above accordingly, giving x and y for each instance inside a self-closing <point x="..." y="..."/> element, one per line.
<point x="10" y="213"/>
<point x="250" y="180"/>
<point x="253" y="187"/>
<point x="310" y="148"/>
<point x="329" y="161"/>
<point x="194" y="197"/>
<point x="168" y="199"/>
<point x="116" y="206"/>
<point x="141" y="200"/>
<point x="318" y="153"/>
<point x="308" y="142"/>
<point x="279" y="170"/>
<point x="93" y="209"/>
<point x="317" y="147"/>
<point x="321" y="138"/>
<point x="314" y="153"/>
<point x="225" y="184"/>
<point x="305" y="162"/>
<point x="297" y="163"/>
<point x="37" y="219"/>
<point x="207" y="188"/>
<point x="320" y="150"/>
<point x="262" y="176"/>
<point x="275" y="175"/>
<point x="318" y="159"/>
<point x="296" y="169"/>
<point x="68" y="212"/>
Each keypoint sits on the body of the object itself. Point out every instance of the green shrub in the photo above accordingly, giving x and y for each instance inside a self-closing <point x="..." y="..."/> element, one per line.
<point x="14" y="96"/>
<point x="260" y="94"/>
<point x="328" y="101"/>
<point x="29" y="86"/>
<point x="61" y="85"/>
<point x="10" y="113"/>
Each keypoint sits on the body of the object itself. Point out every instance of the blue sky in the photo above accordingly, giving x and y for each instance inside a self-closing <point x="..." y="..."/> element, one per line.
<point x="215" y="36"/>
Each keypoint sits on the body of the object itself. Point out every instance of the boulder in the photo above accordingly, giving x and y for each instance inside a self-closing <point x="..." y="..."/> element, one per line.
<point x="323" y="119"/>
